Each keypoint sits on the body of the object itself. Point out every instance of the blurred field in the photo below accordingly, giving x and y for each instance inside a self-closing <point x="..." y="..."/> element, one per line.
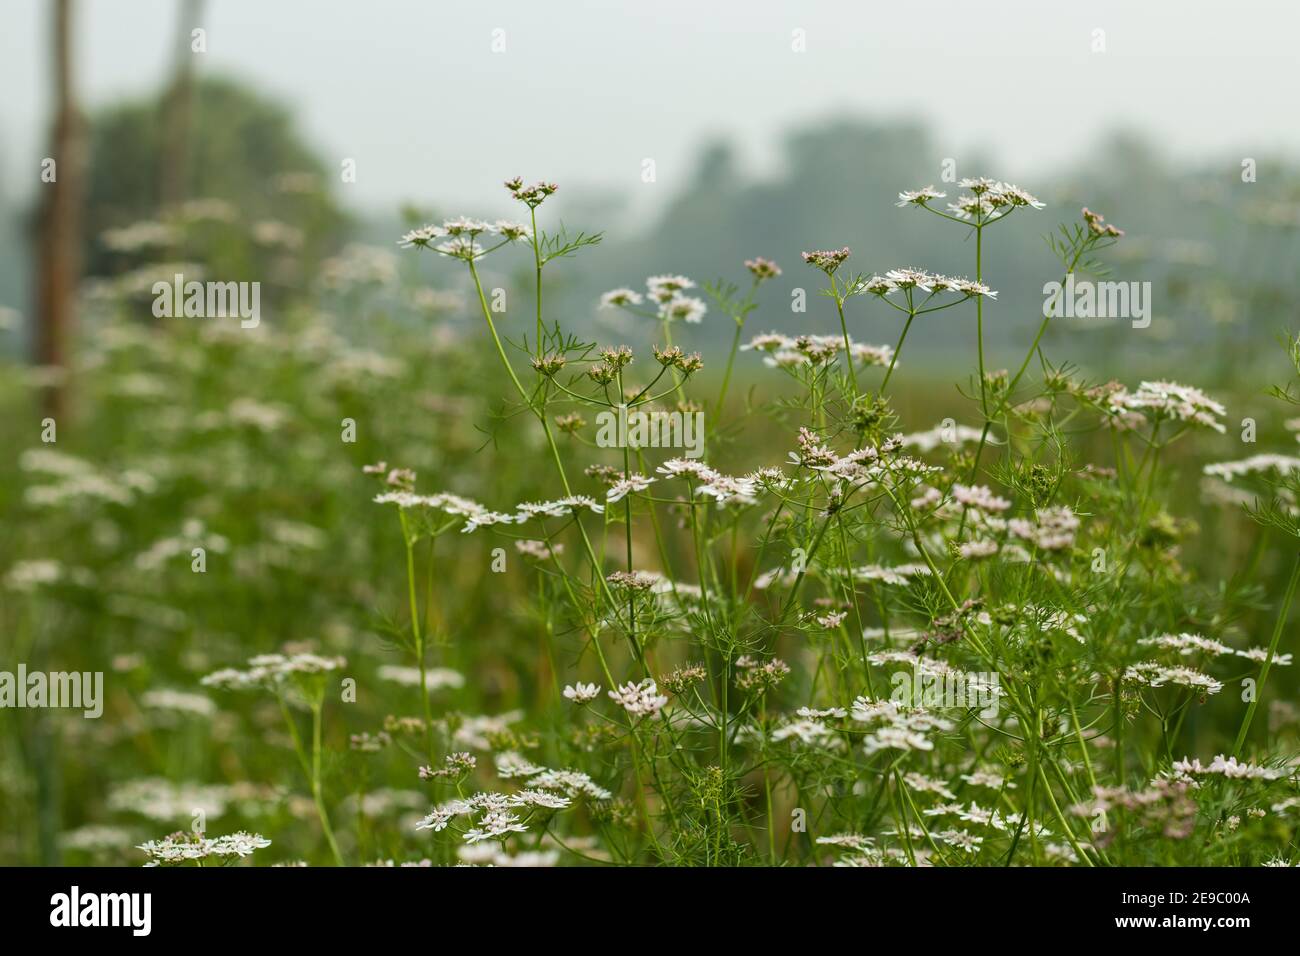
<point x="189" y="433"/>
<point x="180" y="433"/>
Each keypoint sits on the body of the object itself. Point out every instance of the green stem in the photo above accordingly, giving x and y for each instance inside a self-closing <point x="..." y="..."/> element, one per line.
<point x="848" y="348"/>
<point x="1268" y="661"/>
<point x="417" y="633"/>
<point x="537" y="259"/>
<point x="726" y="376"/>
<point x="899" y="348"/>
<point x="979" y="315"/>
<point x="312" y="769"/>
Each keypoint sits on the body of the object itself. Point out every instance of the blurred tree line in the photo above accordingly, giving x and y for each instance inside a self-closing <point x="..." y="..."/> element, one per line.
<point x="205" y="172"/>
<point x="1220" y="252"/>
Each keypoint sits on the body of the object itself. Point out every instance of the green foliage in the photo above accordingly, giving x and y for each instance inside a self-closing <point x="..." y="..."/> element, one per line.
<point x="243" y="149"/>
<point x="1040" y="631"/>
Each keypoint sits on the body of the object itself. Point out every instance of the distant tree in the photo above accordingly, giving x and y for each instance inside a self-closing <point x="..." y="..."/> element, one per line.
<point x="58" y="262"/>
<point x="243" y="149"/>
<point x="178" y="107"/>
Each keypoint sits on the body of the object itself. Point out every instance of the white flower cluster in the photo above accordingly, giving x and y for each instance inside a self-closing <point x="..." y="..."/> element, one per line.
<point x="167" y="801"/>
<point x="979" y="497"/>
<point x="984" y="817"/>
<point x="30" y="575"/>
<point x="1155" y="674"/>
<point x="581" y="693"/>
<point x="641" y="699"/>
<point x="853" y="841"/>
<point x="1227" y="470"/>
<point x="899" y="575"/>
<point x="78" y="480"/>
<point x="628" y="485"/>
<point x="1053" y="529"/>
<point x="985" y="778"/>
<point x="193" y="534"/>
<point x="1044" y="620"/>
<point x="1189" y="644"/>
<point x="988" y="199"/>
<point x="180" y="847"/>
<point x="453" y="505"/>
<point x="497" y="819"/>
<point x="1163" y="401"/>
<point x="435" y="678"/>
<point x="713" y="484"/>
<point x="666" y="292"/>
<point x="919" y="197"/>
<point x="920" y="783"/>
<point x="942" y="434"/>
<point x="899" y="728"/>
<point x="1229" y="767"/>
<point x="907" y="279"/>
<point x="178" y="701"/>
<point x="269" y="670"/>
<point x="556" y="509"/>
<point x="511" y="764"/>
<point x="460" y="235"/>
<point x="538" y="550"/>
<point x="477" y="516"/>
<point x="572" y="782"/>
<point x="808" y="732"/>
<point x="862" y="465"/>
<point x="786" y="351"/>
<point x="475" y="732"/>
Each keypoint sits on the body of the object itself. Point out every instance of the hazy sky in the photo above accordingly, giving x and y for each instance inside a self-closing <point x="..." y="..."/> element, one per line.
<point x="585" y="91"/>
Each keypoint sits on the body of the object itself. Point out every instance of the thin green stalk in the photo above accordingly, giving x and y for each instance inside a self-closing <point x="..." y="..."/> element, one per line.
<point x="899" y="348"/>
<point x="848" y="348"/>
<point x="979" y="315"/>
<point x="1282" y="615"/>
<point x="726" y="376"/>
<point x="316" y="790"/>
